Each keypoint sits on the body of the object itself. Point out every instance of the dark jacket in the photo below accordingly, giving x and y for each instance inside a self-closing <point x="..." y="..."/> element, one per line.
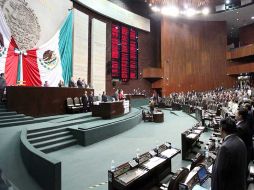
<point x="229" y="169"/>
<point x="244" y="131"/>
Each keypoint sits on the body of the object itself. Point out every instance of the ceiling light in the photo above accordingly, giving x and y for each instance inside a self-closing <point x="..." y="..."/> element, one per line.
<point x="227" y="1"/>
<point x="252" y="17"/>
<point x="155" y="9"/>
<point x="237" y="19"/>
<point x="170" y="11"/>
<point x="205" y="11"/>
<point x="190" y="12"/>
<point x="150" y="4"/>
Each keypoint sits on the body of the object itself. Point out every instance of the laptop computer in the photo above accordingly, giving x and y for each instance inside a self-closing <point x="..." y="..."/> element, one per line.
<point x="203" y="177"/>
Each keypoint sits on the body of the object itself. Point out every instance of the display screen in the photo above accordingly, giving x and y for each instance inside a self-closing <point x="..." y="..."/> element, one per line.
<point x="202" y="175"/>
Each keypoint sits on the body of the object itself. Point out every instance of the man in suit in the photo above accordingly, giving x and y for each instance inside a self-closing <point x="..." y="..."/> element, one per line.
<point x="90" y="100"/>
<point x="2" y="86"/>
<point x="85" y="101"/>
<point x="229" y="169"/>
<point x="72" y="83"/>
<point x="79" y="83"/>
<point x="104" y="97"/>
<point x="244" y="130"/>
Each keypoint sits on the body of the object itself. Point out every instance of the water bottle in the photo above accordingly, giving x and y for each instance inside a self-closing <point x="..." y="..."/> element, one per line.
<point x="137" y="153"/>
<point x="113" y="166"/>
<point x="206" y="152"/>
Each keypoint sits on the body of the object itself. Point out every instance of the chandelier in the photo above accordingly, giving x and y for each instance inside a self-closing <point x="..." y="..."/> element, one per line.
<point x="180" y="7"/>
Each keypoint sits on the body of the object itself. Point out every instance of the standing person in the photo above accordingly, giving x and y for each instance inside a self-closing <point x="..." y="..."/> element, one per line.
<point x="61" y="83"/>
<point x="116" y="95"/>
<point x="121" y="95"/>
<point x="229" y="169"/>
<point x="46" y="84"/>
<point x="79" y="83"/>
<point x="2" y="86"/>
<point x="72" y="83"/>
<point x="85" y="101"/>
<point x="90" y="100"/>
<point x="104" y="97"/>
<point x="244" y="130"/>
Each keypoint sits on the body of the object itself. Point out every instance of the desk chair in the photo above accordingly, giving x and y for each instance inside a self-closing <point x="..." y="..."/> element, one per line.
<point x="177" y="178"/>
<point x="147" y="116"/>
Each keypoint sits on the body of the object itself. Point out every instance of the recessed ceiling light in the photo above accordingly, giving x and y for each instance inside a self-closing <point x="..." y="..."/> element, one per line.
<point x="252" y="17"/>
<point x="237" y="19"/>
<point x="237" y="12"/>
<point x="227" y="1"/>
<point x="150" y="4"/>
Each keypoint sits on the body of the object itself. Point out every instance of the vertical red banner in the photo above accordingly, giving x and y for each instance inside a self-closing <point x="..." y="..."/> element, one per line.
<point x="115" y="51"/>
<point x="133" y="54"/>
<point x="125" y="53"/>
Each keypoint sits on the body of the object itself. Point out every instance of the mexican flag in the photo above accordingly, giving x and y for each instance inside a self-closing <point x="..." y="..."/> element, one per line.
<point x="51" y="62"/>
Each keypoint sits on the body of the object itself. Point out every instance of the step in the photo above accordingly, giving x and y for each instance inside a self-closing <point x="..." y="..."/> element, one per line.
<point x="53" y="141"/>
<point x="61" y="125"/>
<point x="44" y="133"/>
<point x="12" y="116"/>
<point x="58" y="146"/>
<point x="7" y="113"/>
<point x="15" y="119"/>
<point x="48" y="137"/>
<point x="14" y="124"/>
<point x="3" y="109"/>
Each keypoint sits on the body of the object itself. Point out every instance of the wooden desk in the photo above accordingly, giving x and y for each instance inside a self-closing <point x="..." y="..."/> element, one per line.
<point x="132" y="96"/>
<point x="158" y="117"/>
<point x="108" y="110"/>
<point x="40" y="101"/>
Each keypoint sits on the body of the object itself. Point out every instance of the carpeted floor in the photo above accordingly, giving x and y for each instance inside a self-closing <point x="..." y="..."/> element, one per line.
<point x="86" y="167"/>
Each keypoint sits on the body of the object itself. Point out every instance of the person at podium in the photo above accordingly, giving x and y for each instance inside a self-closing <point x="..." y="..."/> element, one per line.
<point x="90" y="100"/>
<point x="229" y="169"/>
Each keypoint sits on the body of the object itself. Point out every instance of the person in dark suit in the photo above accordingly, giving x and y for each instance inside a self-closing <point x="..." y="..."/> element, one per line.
<point x="229" y="169"/>
<point x="244" y="130"/>
<point x="85" y="101"/>
<point x="72" y="83"/>
<point x="79" y="83"/>
<point x="104" y="97"/>
<point x="90" y="100"/>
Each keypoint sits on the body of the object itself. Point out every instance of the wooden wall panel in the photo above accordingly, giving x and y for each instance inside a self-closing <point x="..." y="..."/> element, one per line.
<point x="238" y="68"/>
<point x="193" y="55"/>
<point x="246" y="36"/>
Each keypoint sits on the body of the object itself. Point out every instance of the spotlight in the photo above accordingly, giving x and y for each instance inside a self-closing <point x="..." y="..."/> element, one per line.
<point x="205" y="11"/>
<point x="190" y="12"/>
<point x="155" y="9"/>
<point x="170" y="11"/>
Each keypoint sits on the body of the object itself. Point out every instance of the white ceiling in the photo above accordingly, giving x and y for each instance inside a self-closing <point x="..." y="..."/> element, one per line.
<point x="235" y="18"/>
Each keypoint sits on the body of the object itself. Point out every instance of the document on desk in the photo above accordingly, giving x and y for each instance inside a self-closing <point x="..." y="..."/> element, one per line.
<point x="131" y="175"/>
<point x="153" y="162"/>
<point x="197" y="131"/>
<point x="169" y="152"/>
<point x="192" y="135"/>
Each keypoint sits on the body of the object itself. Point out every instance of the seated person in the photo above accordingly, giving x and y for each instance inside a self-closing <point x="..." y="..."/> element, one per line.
<point x="46" y="84"/>
<point x="151" y="105"/>
<point x="61" y="83"/>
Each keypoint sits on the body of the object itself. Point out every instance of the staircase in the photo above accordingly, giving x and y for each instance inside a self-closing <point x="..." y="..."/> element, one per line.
<point x="51" y="139"/>
<point x="9" y="119"/>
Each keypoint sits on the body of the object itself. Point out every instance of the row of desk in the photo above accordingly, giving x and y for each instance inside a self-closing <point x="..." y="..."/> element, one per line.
<point x="144" y="171"/>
